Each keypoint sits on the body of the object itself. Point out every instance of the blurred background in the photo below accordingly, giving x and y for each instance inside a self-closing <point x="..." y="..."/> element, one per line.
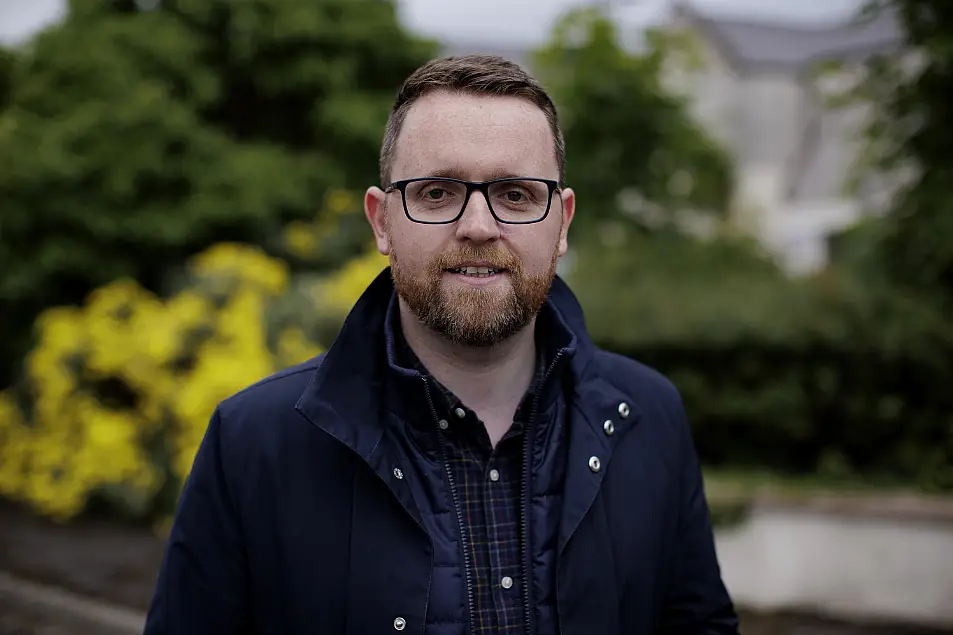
<point x="765" y="191"/>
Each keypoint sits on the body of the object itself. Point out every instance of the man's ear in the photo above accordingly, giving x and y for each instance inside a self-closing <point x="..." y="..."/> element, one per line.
<point x="568" y="210"/>
<point x="375" y="209"/>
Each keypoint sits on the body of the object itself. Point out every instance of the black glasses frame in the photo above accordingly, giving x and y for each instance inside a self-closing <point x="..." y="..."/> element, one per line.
<point x="482" y="186"/>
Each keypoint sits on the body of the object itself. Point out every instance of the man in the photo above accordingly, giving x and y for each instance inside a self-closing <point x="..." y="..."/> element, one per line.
<point x="463" y="459"/>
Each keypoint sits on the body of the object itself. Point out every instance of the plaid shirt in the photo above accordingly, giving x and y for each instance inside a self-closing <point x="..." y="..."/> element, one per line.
<point x="486" y="484"/>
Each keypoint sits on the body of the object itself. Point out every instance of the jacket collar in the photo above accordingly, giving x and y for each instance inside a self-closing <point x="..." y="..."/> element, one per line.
<point x="421" y="406"/>
<point x="343" y="397"/>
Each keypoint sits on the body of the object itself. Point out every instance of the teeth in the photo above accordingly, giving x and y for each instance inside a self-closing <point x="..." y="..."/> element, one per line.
<point x="479" y="272"/>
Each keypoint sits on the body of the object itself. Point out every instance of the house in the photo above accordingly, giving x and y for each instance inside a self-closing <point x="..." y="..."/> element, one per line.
<point x="759" y="92"/>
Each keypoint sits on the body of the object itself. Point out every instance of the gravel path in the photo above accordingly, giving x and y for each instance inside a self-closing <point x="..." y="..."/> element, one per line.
<point x="16" y="619"/>
<point x="30" y="608"/>
<point x="102" y="559"/>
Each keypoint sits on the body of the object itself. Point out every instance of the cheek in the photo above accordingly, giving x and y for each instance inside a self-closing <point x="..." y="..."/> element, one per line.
<point x="536" y="251"/>
<point x="413" y="248"/>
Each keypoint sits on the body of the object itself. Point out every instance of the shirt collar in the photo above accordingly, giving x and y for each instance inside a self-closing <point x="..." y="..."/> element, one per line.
<point x="555" y="344"/>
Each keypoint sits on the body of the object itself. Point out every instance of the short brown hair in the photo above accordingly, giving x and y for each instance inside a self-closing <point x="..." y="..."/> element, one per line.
<point x="475" y="75"/>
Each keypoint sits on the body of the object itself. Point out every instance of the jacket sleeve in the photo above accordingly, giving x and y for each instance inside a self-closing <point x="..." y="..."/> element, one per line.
<point x="202" y="582"/>
<point x="696" y="600"/>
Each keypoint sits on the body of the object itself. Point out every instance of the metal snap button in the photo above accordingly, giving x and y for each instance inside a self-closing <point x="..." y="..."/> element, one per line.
<point x="595" y="464"/>
<point x="623" y="410"/>
<point x="398" y="473"/>
<point x="608" y="427"/>
<point x="399" y="623"/>
<point x="444" y="424"/>
<point x="460" y="412"/>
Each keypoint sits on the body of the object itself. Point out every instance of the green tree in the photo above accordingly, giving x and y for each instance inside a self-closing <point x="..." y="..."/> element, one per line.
<point x="135" y="134"/>
<point x="911" y="134"/>
<point x="6" y="72"/>
<point x="625" y="132"/>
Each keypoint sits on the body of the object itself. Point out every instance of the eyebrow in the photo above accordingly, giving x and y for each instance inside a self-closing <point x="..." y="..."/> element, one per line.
<point x="457" y="173"/>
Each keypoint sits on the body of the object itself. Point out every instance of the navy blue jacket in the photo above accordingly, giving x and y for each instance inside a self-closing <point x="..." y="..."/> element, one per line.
<point x="299" y="516"/>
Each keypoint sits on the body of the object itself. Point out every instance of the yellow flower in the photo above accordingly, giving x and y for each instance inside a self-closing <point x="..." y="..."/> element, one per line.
<point x="244" y="262"/>
<point x="301" y="239"/>
<point x="342" y="290"/>
<point x="294" y="347"/>
<point x="129" y="378"/>
<point x="339" y="202"/>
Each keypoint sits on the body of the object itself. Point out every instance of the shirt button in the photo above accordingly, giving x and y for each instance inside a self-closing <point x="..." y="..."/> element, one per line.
<point x="494" y="475"/>
<point x="506" y="582"/>
<point x="460" y="412"/>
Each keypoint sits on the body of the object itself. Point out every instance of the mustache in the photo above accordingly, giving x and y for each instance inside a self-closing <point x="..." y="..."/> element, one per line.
<point x="495" y="257"/>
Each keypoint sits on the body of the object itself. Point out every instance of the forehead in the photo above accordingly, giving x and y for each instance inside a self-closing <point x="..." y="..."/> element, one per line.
<point x="474" y="137"/>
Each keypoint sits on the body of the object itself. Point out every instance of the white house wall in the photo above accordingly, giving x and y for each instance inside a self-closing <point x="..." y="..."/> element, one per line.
<point x="713" y="92"/>
<point x="769" y="111"/>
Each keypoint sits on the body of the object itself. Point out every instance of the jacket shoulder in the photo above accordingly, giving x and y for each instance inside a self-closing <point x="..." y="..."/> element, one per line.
<point x="649" y="388"/>
<point x="663" y="422"/>
<point x="277" y="392"/>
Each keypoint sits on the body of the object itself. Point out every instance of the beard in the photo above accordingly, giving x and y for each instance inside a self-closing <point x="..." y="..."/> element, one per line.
<point x="475" y="317"/>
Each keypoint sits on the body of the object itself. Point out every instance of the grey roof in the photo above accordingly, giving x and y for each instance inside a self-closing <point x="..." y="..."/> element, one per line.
<point x="752" y="45"/>
<point x="755" y="45"/>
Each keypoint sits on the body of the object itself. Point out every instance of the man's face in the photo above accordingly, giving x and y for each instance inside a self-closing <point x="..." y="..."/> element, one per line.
<point x="477" y="138"/>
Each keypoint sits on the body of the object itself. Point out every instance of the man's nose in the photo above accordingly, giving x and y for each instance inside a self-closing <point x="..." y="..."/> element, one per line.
<point x="477" y="223"/>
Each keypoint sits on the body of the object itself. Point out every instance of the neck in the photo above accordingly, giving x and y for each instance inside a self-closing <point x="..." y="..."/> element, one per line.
<point x="486" y="378"/>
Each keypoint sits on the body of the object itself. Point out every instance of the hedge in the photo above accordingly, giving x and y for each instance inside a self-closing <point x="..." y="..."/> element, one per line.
<point x="822" y="375"/>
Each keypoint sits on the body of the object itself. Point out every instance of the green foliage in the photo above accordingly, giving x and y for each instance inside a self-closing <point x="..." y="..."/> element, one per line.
<point x="911" y="134"/>
<point x="895" y="272"/>
<point x="625" y="133"/>
<point x="133" y="138"/>
<point x="7" y="60"/>
<point x="821" y="376"/>
<point x="845" y="375"/>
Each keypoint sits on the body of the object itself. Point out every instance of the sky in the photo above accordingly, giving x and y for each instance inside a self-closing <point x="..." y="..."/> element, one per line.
<point x="491" y="21"/>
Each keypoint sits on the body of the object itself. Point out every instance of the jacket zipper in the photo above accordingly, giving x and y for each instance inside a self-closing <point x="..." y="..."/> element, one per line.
<point x="528" y="443"/>
<point x="524" y="522"/>
<point x="456" y="505"/>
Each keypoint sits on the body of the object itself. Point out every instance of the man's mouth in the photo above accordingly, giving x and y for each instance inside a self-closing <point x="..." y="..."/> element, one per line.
<point x="476" y="272"/>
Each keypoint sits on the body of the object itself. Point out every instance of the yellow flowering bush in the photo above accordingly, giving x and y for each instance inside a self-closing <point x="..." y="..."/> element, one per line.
<point x="339" y="292"/>
<point x="337" y="230"/>
<point x="118" y="392"/>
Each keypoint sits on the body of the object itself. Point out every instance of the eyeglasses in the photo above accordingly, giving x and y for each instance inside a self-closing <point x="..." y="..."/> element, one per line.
<point x="439" y="201"/>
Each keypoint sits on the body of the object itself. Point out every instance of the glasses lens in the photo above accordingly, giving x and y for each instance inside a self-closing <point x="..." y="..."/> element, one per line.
<point x="434" y="201"/>
<point x="438" y="201"/>
<point x="519" y="201"/>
